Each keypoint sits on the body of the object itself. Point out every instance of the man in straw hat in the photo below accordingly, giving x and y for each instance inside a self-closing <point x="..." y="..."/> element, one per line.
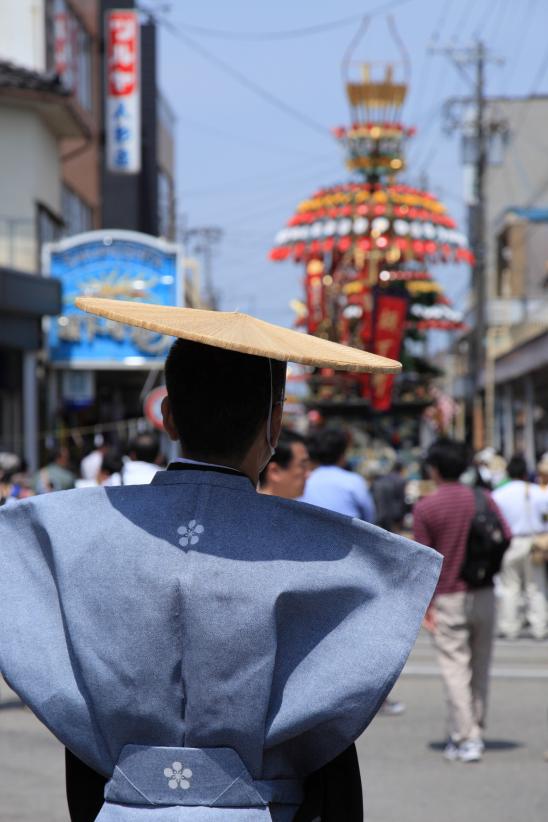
<point x="208" y="652"/>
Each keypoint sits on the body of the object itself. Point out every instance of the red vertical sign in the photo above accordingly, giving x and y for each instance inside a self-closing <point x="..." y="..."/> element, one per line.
<point x="389" y="329"/>
<point x="122" y="116"/>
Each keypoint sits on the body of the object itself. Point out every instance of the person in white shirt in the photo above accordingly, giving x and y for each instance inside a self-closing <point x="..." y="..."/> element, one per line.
<point x="524" y="506"/>
<point x="91" y="464"/>
<point x="141" y="466"/>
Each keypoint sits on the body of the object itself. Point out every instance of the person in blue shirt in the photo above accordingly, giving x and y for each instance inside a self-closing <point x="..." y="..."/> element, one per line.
<point x="330" y="485"/>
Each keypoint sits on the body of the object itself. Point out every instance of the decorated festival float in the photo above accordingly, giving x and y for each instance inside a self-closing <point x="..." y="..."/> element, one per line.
<point x="367" y="247"/>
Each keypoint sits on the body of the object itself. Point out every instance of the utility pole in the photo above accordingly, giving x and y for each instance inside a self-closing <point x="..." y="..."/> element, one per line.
<point x="477" y="132"/>
<point x="201" y="241"/>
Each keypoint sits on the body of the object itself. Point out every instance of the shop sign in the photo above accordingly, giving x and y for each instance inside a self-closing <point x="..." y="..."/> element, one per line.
<point x="63" y="44"/>
<point x="122" y="265"/>
<point x="123" y="94"/>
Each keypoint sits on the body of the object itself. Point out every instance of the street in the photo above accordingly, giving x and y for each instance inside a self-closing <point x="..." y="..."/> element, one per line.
<point x="405" y="777"/>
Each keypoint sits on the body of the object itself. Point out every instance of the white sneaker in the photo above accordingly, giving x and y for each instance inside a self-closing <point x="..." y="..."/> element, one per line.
<point x="471" y="750"/>
<point x="391" y="707"/>
<point x="451" y="751"/>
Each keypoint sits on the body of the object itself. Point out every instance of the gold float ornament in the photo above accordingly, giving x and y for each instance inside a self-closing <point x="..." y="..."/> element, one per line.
<point x="423" y="287"/>
<point x="371" y="97"/>
<point x="361" y="193"/>
<point x="315" y="267"/>
<point x="393" y="254"/>
<point x="298" y="307"/>
<point x="355" y="163"/>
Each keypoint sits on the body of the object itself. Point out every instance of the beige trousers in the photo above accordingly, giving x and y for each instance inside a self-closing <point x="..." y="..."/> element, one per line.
<point x="520" y="576"/>
<point x="463" y="637"/>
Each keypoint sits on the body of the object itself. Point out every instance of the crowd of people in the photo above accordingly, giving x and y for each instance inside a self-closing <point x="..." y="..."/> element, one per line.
<point x="104" y="464"/>
<point x="463" y="619"/>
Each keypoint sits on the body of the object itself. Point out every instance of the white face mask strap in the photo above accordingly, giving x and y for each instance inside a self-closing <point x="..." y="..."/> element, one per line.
<point x="270" y="406"/>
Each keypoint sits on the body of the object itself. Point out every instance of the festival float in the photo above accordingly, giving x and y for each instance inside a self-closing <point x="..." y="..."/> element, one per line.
<point x="367" y="247"/>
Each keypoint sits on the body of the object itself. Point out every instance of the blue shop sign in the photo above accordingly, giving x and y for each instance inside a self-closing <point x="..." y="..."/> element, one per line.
<point x="122" y="265"/>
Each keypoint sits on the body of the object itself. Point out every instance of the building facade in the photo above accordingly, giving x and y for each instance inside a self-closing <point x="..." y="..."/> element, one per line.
<point x="508" y="413"/>
<point x="56" y="184"/>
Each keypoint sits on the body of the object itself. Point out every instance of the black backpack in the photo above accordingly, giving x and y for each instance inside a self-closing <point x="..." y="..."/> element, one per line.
<point x="485" y="545"/>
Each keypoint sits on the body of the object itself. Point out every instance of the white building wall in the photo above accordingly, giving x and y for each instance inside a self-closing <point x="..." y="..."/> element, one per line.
<point x="22" y="33"/>
<point x="30" y="173"/>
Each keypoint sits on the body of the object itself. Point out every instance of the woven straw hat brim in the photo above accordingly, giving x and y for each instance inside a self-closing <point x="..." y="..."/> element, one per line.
<point x="239" y="332"/>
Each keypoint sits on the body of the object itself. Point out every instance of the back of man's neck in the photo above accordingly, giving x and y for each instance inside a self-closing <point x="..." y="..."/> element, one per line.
<point x="213" y="459"/>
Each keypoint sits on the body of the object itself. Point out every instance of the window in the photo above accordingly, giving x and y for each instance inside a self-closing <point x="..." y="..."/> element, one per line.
<point x="82" y="65"/>
<point x="69" y="50"/>
<point x="49" y="228"/>
<point x="77" y="215"/>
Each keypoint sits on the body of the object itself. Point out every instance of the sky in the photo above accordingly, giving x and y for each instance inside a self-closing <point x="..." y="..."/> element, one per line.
<point x="255" y="107"/>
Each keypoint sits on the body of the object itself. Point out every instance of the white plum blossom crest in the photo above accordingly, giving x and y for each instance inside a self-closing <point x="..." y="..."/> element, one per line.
<point x="178" y="776"/>
<point x="190" y="533"/>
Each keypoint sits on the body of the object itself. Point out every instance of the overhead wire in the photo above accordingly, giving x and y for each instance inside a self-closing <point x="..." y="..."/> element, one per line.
<point x="431" y="114"/>
<point x="255" y="200"/>
<point x="234" y="186"/>
<point x="457" y="31"/>
<point x="286" y="34"/>
<point x="251" y="85"/>
<point x="485" y="20"/>
<point x="512" y="64"/>
<point x="499" y="19"/>
<point x="434" y="39"/>
<point x="215" y="131"/>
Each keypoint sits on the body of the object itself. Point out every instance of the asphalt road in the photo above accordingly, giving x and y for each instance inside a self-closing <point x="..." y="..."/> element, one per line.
<point x="405" y="777"/>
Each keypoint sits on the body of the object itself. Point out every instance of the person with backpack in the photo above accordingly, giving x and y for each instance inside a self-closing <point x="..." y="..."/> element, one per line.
<point x="467" y="528"/>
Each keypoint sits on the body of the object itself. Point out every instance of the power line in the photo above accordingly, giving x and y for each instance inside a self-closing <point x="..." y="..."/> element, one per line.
<point x="287" y="34"/>
<point x="434" y="38"/>
<point x="461" y="21"/>
<point x="245" y="81"/>
<point x="234" y="186"/>
<point x="251" y="85"/>
<point x="484" y="21"/>
<point x="508" y="72"/>
<point x="250" y="141"/>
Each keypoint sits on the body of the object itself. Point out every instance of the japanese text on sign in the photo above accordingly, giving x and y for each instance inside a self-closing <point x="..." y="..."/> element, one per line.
<point x="123" y="121"/>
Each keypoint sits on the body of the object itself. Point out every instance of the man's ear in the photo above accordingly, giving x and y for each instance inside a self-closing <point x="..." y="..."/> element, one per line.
<point x="167" y="418"/>
<point x="276" y="423"/>
<point x="273" y="472"/>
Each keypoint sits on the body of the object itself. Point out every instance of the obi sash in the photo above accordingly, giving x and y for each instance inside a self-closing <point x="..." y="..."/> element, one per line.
<point x="198" y="784"/>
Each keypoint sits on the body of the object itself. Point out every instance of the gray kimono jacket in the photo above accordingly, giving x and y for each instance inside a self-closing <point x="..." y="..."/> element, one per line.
<point x="202" y="645"/>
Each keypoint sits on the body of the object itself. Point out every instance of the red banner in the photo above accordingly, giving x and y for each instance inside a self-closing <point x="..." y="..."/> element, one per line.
<point x="389" y="330"/>
<point x="315" y="299"/>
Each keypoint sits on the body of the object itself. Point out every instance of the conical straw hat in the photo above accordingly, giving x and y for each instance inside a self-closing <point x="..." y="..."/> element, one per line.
<point x="239" y="332"/>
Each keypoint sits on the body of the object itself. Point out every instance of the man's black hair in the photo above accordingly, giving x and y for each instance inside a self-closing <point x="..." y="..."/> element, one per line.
<point x="112" y="462"/>
<point x="327" y="447"/>
<point x="283" y="454"/>
<point x="449" y="457"/>
<point x="144" y="447"/>
<point x="220" y="398"/>
<point x="517" y="467"/>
